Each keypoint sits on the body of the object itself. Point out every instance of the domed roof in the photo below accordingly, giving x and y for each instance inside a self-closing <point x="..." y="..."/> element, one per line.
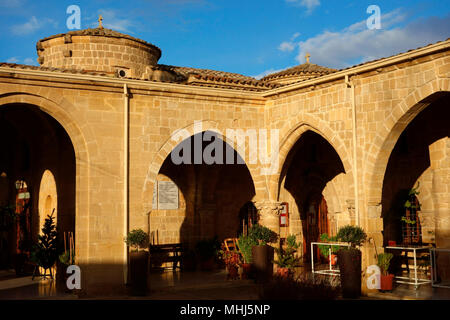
<point x="101" y="32"/>
<point x="300" y="72"/>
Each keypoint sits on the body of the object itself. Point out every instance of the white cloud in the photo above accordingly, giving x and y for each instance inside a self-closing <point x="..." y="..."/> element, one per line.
<point x="32" y="25"/>
<point x="29" y="61"/>
<point x="289" y="46"/>
<point x="12" y="60"/>
<point x="310" y="5"/>
<point x="357" y="44"/>
<point x="111" y="21"/>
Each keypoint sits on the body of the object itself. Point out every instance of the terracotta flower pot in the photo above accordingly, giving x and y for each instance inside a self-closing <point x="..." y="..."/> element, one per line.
<point x="283" y="272"/>
<point x="333" y="259"/>
<point x="386" y="282"/>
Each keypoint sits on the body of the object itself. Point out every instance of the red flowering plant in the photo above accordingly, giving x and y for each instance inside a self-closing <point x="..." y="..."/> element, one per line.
<point x="231" y="258"/>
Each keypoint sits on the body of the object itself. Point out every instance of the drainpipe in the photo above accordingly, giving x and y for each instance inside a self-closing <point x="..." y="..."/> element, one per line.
<point x="351" y="85"/>
<point x="126" y="220"/>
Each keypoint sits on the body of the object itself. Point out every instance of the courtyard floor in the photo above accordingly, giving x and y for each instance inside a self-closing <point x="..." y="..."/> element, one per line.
<point x="190" y="286"/>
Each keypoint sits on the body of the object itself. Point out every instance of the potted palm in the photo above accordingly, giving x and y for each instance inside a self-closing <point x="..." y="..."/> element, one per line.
<point x="262" y="253"/>
<point x="138" y="271"/>
<point x="246" y="245"/>
<point x="386" y="279"/>
<point x="286" y="258"/>
<point x="349" y="260"/>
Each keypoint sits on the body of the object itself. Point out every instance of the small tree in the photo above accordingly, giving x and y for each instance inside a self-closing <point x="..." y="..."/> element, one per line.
<point x="353" y="234"/>
<point x="286" y="257"/>
<point x="137" y="238"/>
<point x="262" y="235"/>
<point x="46" y="251"/>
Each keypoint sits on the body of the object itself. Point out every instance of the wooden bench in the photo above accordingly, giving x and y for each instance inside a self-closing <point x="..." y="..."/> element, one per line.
<point x="161" y="254"/>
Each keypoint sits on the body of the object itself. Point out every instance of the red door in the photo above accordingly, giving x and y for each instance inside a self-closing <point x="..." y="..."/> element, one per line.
<point x="314" y="225"/>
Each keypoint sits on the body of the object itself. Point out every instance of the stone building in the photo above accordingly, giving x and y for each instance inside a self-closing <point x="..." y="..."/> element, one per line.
<point x="91" y="133"/>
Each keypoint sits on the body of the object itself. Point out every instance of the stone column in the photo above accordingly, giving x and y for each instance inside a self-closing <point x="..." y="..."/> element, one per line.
<point x="440" y="165"/>
<point x="269" y="214"/>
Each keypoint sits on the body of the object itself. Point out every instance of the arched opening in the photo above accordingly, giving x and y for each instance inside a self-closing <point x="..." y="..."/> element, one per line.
<point x="248" y="216"/>
<point x="199" y="199"/>
<point x="48" y="198"/>
<point x="32" y="142"/>
<point x="309" y="177"/>
<point x="419" y="160"/>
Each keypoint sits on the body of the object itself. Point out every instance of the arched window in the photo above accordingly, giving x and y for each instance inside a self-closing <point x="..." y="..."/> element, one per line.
<point x="248" y="216"/>
<point x="48" y="198"/>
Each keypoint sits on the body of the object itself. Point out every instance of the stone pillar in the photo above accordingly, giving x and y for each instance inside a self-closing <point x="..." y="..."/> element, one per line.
<point x="269" y="214"/>
<point x="440" y="166"/>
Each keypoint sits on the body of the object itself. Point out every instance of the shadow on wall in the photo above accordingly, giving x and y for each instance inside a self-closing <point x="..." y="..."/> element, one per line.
<point x="33" y="142"/>
<point x="409" y="163"/>
<point x="213" y="193"/>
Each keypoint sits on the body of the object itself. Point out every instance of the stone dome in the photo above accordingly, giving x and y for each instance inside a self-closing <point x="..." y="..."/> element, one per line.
<point x="98" y="50"/>
<point x="301" y="72"/>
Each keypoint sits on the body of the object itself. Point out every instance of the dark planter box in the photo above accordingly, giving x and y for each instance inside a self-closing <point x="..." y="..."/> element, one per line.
<point x="349" y="261"/>
<point x="263" y="262"/>
<point x="138" y="273"/>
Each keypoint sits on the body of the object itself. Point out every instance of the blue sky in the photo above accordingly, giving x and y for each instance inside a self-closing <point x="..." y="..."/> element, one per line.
<point x="248" y="37"/>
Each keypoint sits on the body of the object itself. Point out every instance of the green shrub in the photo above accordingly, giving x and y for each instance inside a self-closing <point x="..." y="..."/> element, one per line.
<point x="137" y="238"/>
<point x="262" y="234"/>
<point x="286" y="258"/>
<point x="246" y="244"/>
<point x="353" y="234"/>
<point x="384" y="260"/>
<point x="324" y="250"/>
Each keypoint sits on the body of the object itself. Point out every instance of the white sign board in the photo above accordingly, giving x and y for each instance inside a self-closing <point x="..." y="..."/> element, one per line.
<point x="167" y="195"/>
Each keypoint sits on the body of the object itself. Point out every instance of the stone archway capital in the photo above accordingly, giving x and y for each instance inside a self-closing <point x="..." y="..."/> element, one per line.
<point x="268" y="207"/>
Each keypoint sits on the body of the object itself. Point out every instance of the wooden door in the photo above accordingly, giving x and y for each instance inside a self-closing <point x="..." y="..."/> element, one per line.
<point x="314" y="225"/>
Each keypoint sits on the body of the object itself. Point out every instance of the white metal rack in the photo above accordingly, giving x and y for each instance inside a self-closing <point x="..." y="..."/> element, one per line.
<point x="330" y="271"/>
<point x="416" y="281"/>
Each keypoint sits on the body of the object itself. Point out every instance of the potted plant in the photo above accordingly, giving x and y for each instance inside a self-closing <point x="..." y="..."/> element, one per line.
<point x="386" y="279"/>
<point x="262" y="253"/>
<point x="46" y="251"/>
<point x="138" y="270"/>
<point x="207" y="251"/>
<point x="410" y="221"/>
<point x="349" y="260"/>
<point x="325" y="249"/>
<point x="286" y="258"/>
<point x="246" y="245"/>
<point x="232" y="261"/>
